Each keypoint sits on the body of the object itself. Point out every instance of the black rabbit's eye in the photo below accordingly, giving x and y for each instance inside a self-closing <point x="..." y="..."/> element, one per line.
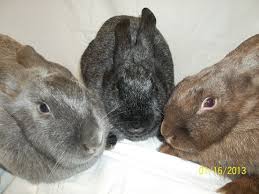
<point x="43" y="108"/>
<point x="209" y="102"/>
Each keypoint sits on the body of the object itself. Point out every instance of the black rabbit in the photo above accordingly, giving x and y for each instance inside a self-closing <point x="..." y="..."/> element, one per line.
<point x="129" y="65"/>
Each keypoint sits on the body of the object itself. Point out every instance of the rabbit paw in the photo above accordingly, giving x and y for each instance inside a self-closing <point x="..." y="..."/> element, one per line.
<point x="111" y="141"/>
<point x="243" y="185"/>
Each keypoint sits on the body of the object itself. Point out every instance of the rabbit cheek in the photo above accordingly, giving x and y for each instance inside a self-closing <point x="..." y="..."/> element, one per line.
<point x="210" y="127"/>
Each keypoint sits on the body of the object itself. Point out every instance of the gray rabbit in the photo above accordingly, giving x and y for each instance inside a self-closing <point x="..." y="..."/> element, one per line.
<point x="51" y="126"/>
<point x="129" y="65"/>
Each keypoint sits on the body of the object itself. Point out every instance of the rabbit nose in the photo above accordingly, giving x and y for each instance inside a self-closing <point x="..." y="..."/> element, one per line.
<point x="91" y="136"/>
<point x="164" y="130"/>
<point x="138" y="121"/>
<point x="136" y="124"/>
<point x="140" y="125"/>
<point x="93" y="144"/>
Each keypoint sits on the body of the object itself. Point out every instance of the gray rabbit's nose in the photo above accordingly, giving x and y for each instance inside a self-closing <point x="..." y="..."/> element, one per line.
<point x="93" y="144"/>
<point x="91" y="136"/>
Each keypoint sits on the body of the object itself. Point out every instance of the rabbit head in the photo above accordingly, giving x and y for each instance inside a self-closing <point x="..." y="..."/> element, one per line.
<point x="131" y="87"/>
<point x="205" y="107"/>
<point x="51" y="124"/>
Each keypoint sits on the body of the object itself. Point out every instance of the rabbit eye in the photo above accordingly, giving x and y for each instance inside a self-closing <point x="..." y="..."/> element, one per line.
<point x="209" y="102"/>
<point x="44" y="108"/>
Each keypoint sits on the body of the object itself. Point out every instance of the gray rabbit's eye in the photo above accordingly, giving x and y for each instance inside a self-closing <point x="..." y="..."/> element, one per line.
<point x="44" y="108"/>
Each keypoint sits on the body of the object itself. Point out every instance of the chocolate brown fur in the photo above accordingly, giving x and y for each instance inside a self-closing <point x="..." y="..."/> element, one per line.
<point x="227" y="135"/>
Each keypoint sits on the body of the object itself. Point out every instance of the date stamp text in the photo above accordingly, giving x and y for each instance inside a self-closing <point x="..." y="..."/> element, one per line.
<point x="229" y="170"/>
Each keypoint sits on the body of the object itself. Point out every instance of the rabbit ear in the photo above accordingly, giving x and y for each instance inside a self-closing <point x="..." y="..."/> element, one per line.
<point x="10" y="86"/>
<point x="148" y="20"/>
<point x="28" y="57"/>
<point x="122" y="36"/>
<point x="147" y="25"/>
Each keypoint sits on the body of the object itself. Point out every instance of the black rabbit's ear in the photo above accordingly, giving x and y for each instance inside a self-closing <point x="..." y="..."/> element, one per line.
<point x="147" y="22"/>
<point x="28" y="57"/>
<point x="122" y="35"/>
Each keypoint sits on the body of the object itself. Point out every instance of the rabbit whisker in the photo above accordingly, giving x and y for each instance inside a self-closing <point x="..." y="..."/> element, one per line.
<point x="118" y="113"/>
<point x="57" y="164"/>
<point x="117" y="107"/>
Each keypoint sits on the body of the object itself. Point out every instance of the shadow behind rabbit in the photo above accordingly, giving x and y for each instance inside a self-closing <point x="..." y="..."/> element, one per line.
<point x="129" y="65"/>
<point x="50" y="125"/>
<point x="212" y="118"/>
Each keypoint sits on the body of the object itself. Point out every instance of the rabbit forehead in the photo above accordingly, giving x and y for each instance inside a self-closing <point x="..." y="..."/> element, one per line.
<point x="249" y="62"/>
<point x="137" y="78"/>
<point x="203" y="83"/>
<point x="73" y="95"/>
<point x="136" y="70"/>
<point x="223" y="75"/>
<point x="66" y="92"/>
<point x="141" y="52"/>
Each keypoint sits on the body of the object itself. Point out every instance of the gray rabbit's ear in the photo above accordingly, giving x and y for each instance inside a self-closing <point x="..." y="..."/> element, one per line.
<point x="147" y="24"/>
<point x="28" y="57"/>
<point x="10" y="86"/>
<point x="122" y="36"/>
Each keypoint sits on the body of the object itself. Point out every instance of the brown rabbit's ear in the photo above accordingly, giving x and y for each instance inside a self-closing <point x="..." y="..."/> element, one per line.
<point x="28" y="57"/>
<point x="147" y="23"/>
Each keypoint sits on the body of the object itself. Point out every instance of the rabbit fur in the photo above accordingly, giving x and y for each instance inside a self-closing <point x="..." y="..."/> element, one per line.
<point x="224" y="131"/>
<point x="51" y="126"/>
<point x="129" y="65"/>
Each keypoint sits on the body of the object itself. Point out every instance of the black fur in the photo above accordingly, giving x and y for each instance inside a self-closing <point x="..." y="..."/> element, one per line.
<point x="129" y="65"/>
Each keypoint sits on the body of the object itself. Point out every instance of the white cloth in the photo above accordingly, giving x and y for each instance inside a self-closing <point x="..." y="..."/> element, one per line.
<point x="131" y="168"/>
<point x="5" y="180"/>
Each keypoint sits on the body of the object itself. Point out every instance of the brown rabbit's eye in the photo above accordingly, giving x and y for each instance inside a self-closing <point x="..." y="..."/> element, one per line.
<point x="208" y="102"/>
<point x="43" y="108"/>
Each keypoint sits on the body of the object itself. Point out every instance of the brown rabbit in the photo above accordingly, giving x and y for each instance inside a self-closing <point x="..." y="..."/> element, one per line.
<point x="212" y="118"/>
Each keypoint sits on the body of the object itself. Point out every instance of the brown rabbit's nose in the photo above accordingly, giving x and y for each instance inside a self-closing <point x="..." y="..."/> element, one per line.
<point x="167" y="133"/>
<point x="164" y="129"/>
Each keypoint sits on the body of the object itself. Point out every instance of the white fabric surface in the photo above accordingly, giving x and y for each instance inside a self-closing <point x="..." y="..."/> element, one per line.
<point x="131" y="169"/>
<point x="198" y="32"/>
<point x="5" y="180"/>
